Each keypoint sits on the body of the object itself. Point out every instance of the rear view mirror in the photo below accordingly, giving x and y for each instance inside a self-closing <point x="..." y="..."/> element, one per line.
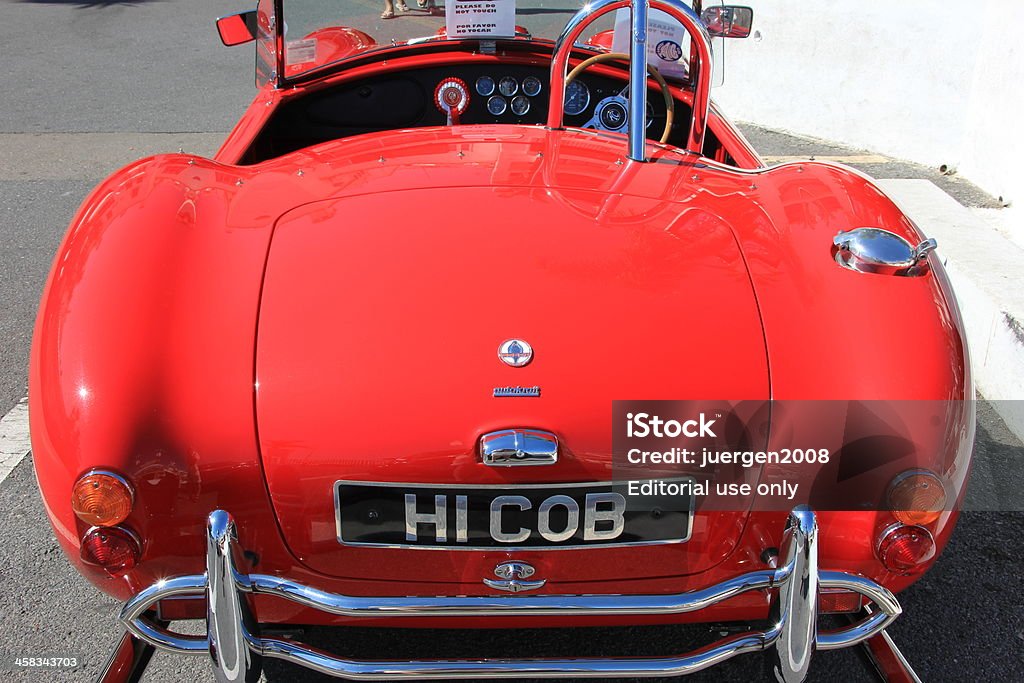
<point x="236" y="29"/>
<point x="728" y="21"/>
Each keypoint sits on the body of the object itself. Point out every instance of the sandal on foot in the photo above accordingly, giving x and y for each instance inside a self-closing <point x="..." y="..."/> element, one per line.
<point x="402" y="7"/>
<point x="387" y="14"/>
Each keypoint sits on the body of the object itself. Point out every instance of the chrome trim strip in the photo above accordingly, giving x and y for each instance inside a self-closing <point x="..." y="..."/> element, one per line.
<point x="518" y="668"/>
<point x="792" y="633"/>
<point x="499" y="606"/>
<point x="503" y="487"/>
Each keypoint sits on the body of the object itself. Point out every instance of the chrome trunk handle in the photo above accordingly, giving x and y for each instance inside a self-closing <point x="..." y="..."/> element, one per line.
<point x="518" y="447"/>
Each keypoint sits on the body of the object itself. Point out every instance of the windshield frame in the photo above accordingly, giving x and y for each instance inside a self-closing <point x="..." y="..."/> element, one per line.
<point x="280" y="78"/>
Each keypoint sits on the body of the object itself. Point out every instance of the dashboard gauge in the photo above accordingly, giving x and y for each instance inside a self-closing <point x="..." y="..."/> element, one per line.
<point x="485" y="86"/>
<point x="520" y="105"/>
<point x="531" y="87"/>
<point x="508" y="86"/>
<point x="577" y="98"/>
<point x="497" y="105"/>
<point x="650" y="114"/>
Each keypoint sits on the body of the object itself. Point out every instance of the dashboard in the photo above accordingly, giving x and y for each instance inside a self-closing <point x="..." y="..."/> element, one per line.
<point x="496" y="93"/>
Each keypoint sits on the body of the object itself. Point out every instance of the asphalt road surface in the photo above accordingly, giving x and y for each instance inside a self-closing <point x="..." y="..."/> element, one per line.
<point x="91" y="85"/>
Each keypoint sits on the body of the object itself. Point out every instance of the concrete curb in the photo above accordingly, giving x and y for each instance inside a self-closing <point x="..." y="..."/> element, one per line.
<point x="986" y="270"/>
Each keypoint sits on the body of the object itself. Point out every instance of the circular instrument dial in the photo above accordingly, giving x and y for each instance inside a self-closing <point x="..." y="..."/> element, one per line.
<point x="520" y="105"/>
<point x="497" y="105"/>
<point x="577" y="98"/>
<point x="485" y="86"/>
<point x="508" y="86"/>
<point x="532" y="86"/>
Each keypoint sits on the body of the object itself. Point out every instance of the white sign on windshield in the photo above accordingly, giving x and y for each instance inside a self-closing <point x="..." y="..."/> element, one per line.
<point x="471" y="19"/>
<point x="668" y="45"/>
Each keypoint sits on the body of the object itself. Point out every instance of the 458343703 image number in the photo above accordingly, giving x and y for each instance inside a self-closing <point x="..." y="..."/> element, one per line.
<point x="45" y="662"/>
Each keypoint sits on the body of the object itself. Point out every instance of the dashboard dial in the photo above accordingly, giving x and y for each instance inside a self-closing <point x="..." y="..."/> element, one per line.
<point x="577" y="98"/>
<point x="508" y="86"/>
<point x="520" y="105"/>
<point x="531" y="86"/>
<point x="497" y="105"/>
<point x="485" y="86"/>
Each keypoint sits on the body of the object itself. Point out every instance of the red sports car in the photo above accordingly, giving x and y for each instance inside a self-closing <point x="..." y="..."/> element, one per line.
<point x="464" y="326"/>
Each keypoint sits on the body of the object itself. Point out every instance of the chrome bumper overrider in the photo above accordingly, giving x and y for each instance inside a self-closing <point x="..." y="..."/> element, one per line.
<point x="235" y="646"/>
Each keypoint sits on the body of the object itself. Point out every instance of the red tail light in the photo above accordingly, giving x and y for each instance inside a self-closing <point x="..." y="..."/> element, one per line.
<point x="905" y="549"/>
<point x="114" y="549"/>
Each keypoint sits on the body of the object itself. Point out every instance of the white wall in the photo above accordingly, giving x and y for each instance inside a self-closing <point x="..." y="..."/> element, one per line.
<point x="923" y="80"/>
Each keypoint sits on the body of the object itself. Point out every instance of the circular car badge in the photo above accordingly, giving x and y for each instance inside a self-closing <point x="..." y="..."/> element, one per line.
<point x="669" y="51"/>
<point x="515" y="352"/>
<point x="614" y="116"/>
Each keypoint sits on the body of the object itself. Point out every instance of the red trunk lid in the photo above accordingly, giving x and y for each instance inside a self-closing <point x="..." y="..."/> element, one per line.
<point x="377" y="356"/>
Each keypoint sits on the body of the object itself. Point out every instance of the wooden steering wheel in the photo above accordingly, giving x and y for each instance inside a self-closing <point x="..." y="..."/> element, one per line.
<point x="670" y="103"/>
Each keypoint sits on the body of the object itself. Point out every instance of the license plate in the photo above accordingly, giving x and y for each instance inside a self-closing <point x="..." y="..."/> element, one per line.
<point x="537" y="516"/>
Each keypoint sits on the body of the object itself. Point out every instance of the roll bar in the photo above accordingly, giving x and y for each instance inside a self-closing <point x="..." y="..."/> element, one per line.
<point x="700" y="67"/>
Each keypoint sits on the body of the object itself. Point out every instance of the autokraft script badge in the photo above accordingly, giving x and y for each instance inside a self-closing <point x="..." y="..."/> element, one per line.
<point x="516" y="391"/>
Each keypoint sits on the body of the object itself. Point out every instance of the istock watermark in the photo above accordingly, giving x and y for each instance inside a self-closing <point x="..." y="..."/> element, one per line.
<point x="831" y="455"/>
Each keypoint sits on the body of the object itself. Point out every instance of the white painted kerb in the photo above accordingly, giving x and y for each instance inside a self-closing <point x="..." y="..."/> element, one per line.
<point x="985" y="269"/>
<point x="14" y="438"/>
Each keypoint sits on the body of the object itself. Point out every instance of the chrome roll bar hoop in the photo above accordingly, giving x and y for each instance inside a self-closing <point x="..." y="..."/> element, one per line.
<point x="700" y="73"/>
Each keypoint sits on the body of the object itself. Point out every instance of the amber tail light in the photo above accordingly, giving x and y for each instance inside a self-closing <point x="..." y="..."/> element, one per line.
<point x="116" y="550"/>
<point x="916" y="497"/>
<point x="102" y="498"/>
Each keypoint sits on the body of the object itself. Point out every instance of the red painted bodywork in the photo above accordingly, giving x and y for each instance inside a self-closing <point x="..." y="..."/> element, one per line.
<point x="241" y="336"/>
<point x="332" y="44"/>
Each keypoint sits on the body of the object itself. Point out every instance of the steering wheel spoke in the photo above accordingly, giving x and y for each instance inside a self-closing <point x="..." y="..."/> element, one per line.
<point x="592" y="123"/>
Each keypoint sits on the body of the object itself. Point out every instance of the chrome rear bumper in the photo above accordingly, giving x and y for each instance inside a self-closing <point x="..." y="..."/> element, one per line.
<point x="234" y="643"/>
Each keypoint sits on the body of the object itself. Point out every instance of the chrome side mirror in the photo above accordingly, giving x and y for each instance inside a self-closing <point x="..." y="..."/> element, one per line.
<point x="728" y="21"/>
<point x="236" y="29"/>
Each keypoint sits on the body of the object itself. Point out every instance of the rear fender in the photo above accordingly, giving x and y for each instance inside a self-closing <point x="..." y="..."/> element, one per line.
<point x="142" y="361"/>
